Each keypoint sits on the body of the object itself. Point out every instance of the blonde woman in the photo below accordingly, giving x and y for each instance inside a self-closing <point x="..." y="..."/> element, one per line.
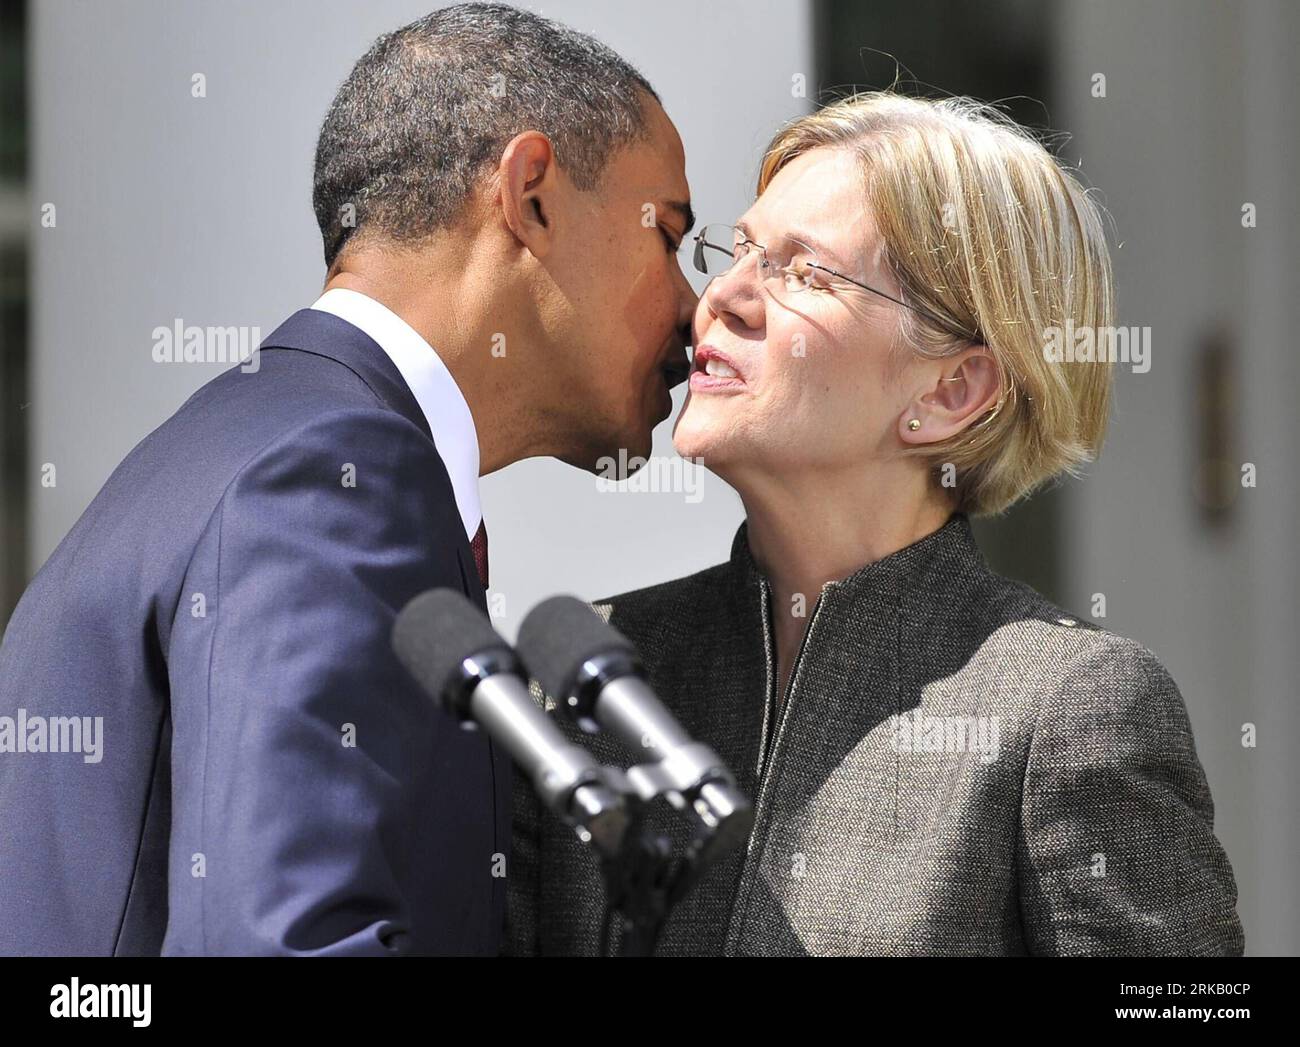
<point x="942" y="761"/>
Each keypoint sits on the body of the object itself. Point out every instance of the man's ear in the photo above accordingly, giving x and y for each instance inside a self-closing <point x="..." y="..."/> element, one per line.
<point x="956" y="392"/>
<point x="528" y="179"/>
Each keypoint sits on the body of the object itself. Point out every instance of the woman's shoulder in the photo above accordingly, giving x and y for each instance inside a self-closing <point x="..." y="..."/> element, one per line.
<point x="1081" y="662"/>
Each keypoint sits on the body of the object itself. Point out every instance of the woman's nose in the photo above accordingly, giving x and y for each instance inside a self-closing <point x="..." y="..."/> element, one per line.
<point x="738" y="292"/>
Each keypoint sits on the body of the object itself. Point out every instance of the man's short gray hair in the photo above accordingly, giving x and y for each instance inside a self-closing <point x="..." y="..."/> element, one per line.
<point x="431" y="105"/>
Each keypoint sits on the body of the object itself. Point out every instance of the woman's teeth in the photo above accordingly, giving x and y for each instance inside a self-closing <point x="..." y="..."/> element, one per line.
<point x="715" y="367"/>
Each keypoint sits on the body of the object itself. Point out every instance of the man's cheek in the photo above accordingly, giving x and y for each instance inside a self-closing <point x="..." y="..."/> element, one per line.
<point x="701" y="322"/>
<point x="649" y="313"/>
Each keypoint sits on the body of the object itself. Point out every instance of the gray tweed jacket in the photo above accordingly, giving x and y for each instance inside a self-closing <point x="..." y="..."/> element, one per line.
<point x="959" y="768"/>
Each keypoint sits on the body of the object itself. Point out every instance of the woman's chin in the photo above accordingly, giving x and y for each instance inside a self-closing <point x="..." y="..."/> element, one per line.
<point x="688" y="440"/>
<point x="697" y="442"/>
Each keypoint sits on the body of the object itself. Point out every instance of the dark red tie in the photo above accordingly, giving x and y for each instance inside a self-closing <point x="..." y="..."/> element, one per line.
<point x="479" y="547"/>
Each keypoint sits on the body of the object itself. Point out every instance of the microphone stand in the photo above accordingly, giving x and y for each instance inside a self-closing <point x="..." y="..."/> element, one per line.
<point x="643" y="882"/>
<point x="638" y="887"/>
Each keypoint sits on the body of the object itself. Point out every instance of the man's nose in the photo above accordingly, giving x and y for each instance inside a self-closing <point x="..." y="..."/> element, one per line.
<point x="678" y="368"/>
<point x="687" y="302"/>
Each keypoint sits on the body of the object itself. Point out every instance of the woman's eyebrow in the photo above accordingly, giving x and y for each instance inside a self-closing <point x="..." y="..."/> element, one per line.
<point x="802" y="237"/>
<point x="822" y="250"/>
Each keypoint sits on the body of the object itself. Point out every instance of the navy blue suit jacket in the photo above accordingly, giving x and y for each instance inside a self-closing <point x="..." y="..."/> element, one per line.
<point x="271" y="780"/>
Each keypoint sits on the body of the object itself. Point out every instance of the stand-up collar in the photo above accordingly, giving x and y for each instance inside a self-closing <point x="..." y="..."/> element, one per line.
<point x="942" y="558"/>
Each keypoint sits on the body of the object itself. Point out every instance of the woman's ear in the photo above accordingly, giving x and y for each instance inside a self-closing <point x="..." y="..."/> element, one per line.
<point x="957" y="391"/>
<point x="528" y="180"/>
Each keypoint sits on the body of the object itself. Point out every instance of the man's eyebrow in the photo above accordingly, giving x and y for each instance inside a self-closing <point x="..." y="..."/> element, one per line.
<point x="684" y="211"/>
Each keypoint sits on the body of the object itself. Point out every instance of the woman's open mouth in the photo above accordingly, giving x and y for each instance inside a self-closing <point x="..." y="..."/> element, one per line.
<point x="713" y="371"/>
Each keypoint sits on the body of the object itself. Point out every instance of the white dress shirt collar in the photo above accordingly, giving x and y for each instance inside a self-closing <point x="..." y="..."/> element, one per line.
<point x="432" y="385"/>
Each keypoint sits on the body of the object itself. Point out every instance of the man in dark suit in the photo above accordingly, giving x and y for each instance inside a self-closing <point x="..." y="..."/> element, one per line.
<point x="501" y="200"/>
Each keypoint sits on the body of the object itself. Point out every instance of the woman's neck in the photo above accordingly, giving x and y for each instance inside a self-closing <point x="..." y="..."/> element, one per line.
<point x="808" y="530"/>
<point x="813" y="530"/>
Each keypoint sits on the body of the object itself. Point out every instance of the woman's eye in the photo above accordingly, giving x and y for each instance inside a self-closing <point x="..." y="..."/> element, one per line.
<point x="814" y="279"/>
<point x="800" y="277"/>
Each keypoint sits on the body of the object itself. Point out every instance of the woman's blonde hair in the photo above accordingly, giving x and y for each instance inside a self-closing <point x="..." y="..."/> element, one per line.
<point x="987" y="233"/>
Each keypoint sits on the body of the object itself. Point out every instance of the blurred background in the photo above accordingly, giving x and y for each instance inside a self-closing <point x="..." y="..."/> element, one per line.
<point x="126" y="203"/>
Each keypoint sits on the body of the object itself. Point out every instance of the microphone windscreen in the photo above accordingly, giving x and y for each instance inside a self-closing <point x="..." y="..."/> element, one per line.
<point x="561" y="633"/>
<point x="437" y="631"/>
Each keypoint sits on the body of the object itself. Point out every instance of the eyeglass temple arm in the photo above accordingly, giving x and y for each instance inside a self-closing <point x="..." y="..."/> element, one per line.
<point x="916" y="309"/>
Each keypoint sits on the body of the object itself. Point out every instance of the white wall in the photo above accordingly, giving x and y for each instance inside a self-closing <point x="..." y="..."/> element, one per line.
<point x="1200" y="118"/>
<point x="171" y="206"/>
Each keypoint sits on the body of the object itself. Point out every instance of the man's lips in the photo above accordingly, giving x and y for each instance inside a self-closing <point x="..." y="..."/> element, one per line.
<point x="727" y="372"/>
<point x="676" y="368"/>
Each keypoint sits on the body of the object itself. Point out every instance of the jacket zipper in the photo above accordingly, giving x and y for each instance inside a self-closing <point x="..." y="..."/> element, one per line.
<point x="765" y="757"/>
<point x="769" y="683"/>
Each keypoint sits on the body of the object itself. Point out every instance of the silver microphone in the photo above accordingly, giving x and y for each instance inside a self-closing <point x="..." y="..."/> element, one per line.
<point x="450" y="648"/>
